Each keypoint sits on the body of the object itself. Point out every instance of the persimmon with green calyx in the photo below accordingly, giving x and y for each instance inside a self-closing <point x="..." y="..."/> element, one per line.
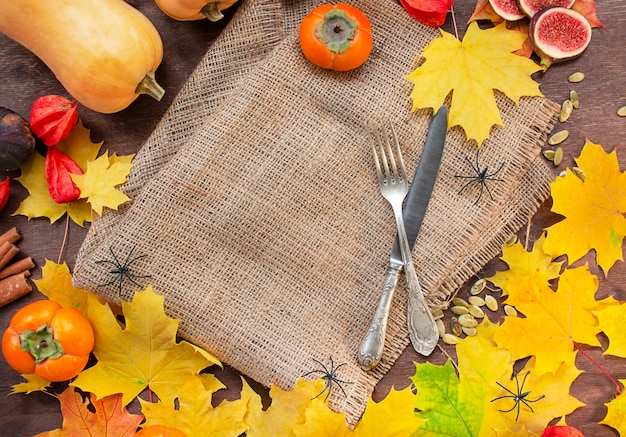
<point x="48" y="340"/>
<point x="160" y="431"/>
<point x="336" y="37"/>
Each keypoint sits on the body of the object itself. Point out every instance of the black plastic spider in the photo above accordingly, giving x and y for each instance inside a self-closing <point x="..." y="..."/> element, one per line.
<point x="122" y="270"/>
<point x="481" y="177"/>
<point x="519" y="398"/>
<point x="330" y="377"/>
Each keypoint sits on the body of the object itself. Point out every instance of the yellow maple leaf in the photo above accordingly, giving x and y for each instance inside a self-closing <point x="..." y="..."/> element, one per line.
<point x="321" y="421"/>
<point x="616" y="412"/>
<point x="195" y="415"/>
<point x="288" y="408"/>
<point x="612" y="318"/>
<point x="33" y="383"/>
<point x="393" y="416"/>
<point x="594" y="209"/>
<point x="56" y="284"/>
<point x="100" y="181"/>
<point x="38" y="203"/>
<point x="142" y="354"/>
<point x="554" y="320"/>
<point x="472" y="70"/>
<point x="79" y="147"/>
<point x="536" y="264"/>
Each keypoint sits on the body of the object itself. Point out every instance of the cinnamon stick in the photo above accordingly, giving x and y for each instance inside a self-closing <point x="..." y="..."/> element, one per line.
<point x="12" y="235"/>
<point x="7" y="251"/>
<point x="13" y="287"/>
<point x="23" y="265"/>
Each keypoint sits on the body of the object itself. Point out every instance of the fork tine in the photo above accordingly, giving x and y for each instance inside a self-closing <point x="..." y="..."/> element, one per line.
<point x="379" y="172"/>
<point x="392" y="160"/>
<point x="402" y="173"/>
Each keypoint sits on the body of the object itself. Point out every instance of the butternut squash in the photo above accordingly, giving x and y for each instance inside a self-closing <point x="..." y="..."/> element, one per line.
<point x="191" y="10"/>
<point x="104" y="52"/>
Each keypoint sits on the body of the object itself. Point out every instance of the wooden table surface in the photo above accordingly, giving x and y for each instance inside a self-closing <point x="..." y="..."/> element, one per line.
<point x="23" y="78"/>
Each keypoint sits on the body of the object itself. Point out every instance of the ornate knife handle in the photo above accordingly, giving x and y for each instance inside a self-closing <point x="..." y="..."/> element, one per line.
<point x="371" y="348"/>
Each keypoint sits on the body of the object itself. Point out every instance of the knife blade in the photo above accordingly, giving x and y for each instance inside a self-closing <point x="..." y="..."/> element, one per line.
<point x="413" y="212"/>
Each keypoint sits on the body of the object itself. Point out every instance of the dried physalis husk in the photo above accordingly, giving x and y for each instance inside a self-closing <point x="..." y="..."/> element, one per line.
<point x="491" y="302"/>
<point x="580" y="173"/>
<point x="566" y="110"/>
<point x="622" y="111"/>
<point x="478" y="287"/>
<point x="510" y="311"/>
<point x="573" y="96"/>
<point x="576" y="77"/>
<point x="450" y="339"/>
<point x="558" y="137"/>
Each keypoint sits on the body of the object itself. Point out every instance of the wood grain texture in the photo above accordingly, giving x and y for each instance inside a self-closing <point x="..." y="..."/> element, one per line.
<point x="23" y="78"/>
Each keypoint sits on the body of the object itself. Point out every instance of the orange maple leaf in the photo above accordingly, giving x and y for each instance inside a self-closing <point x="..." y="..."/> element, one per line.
<point x="593" y="209"/>
<point x="109" y="419"/>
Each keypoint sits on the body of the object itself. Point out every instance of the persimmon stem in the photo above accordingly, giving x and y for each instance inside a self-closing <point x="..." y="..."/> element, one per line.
<point x="595" y="363"/>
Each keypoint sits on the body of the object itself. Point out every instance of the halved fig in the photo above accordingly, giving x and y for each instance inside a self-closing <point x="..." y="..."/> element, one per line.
<point x="558" y="34"/>
<point x="531" y="7"/>
<point x="507" y="9"/>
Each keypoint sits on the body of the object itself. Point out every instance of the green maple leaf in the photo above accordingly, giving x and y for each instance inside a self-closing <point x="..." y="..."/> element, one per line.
<point x="142" y="354"/>
<point x="471" y="70"/>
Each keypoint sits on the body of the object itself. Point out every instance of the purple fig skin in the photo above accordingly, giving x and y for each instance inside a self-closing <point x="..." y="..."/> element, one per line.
<point x="531" y="7"/>
<point x="540" y="47"/>
<point x="507" y="9"/>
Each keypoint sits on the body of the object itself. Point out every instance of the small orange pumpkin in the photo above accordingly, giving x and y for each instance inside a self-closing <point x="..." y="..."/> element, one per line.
<point x="336" y="37"/>
<point x="192" y="10"/>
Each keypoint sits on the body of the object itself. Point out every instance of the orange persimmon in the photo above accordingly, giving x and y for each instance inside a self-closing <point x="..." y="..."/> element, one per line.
<point x="48" y="340"/>
<point x="336" y="37"/>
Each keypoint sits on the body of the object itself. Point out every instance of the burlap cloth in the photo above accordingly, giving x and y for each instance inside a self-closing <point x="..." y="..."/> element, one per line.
<point x="258" y="215"/>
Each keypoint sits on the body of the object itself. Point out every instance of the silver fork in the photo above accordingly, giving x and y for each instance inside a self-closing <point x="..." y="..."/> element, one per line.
<point x="394" y="187"/>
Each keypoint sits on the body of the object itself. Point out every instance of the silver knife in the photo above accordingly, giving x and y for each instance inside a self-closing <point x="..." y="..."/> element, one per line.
<point x="414" y="210"/>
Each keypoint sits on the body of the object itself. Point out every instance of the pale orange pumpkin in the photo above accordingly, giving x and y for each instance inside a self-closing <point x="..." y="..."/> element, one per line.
<point x="104" y="52"/>
<point x="191" y="10"/>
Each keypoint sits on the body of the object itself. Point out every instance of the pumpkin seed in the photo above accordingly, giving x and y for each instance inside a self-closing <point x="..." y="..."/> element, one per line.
<point x="441" y="328"/>
<point x="580" y="173"/>
<point x="476" y="300"/>
<point x="468" y="321"/>
<point x="437" y="314"/>
<point x="457" y="301"/>
<point x="491" y="302"/>
<point x="478" y="287"/>
<point x="566" y="110"/>
<point x="563" y="174"/>
<point x="558" y="155"/>
<point x="622" y="111"/>
<point x="558" y="137"/>
<point x="455" y="326"/>
<point x="450" y="339"/>
<point x="510" y="311"/>
<point x="573" y="96"/>
<point x="469" y="331"/>
<point x="476" y="311"/>
<point x="576" y="77"/>
<point x="459" y="310"/>
<point x="549" y="155"/>
<point x="511" y="240"/>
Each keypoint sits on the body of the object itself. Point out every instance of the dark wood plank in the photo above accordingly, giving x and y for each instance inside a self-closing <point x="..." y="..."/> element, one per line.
<point x="23" y="78"/>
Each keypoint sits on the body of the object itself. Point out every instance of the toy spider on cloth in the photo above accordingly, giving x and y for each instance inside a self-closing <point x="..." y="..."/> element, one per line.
<point x="521" y="397"/>
<point x="480" y="177"/>
<point x="121" y="271"/>
<point x="329" y="376"/>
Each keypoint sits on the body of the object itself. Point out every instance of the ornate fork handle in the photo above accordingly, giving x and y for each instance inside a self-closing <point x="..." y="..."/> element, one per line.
<point x="421" y="324"/>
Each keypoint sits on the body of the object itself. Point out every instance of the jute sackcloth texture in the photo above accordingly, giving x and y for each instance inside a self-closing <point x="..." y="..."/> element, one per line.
<point x="259" y="216"/>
